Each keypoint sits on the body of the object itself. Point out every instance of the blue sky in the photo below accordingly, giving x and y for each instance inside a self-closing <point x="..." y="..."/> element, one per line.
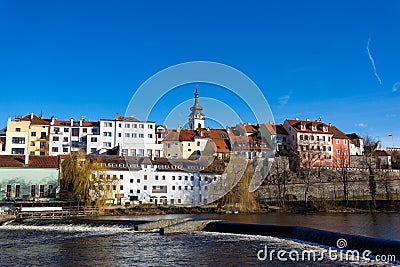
<point x="309" y="58"/>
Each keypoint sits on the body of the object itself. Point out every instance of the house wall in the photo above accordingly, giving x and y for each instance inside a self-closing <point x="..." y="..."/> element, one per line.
<point x="25" y="177"/>
<point x="23" y="133"/>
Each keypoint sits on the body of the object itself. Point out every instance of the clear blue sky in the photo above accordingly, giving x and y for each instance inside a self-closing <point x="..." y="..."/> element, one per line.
<point x="74" y="58"/>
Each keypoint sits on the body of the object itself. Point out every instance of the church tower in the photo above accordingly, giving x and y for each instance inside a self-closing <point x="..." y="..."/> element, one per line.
<point x="196" y="117"/>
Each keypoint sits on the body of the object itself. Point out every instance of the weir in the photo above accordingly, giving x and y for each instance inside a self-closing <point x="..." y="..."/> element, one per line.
<point x="325" y="238"/>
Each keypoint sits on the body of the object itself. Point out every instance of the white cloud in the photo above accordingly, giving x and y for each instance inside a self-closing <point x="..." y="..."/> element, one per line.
<point x="396" y="87"/>
<point x="362" y="125"/>
<point x="283" y="100"/>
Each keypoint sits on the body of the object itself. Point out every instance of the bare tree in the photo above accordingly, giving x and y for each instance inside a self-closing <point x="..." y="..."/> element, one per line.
<point x="307" y="160"/>
<point x="279" y="176"/>
<point x="370" y="145"/>
<point x="343" y="170"/>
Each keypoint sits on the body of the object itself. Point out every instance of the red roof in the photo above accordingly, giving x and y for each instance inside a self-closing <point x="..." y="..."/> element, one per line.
<point x="308" y="126"/>
<point x="34" y="161"/>
<point x="275" y="128"/>
<point x="381" y="153"/>
<point x="222" y="145"/>
<point x="338" y="134"/>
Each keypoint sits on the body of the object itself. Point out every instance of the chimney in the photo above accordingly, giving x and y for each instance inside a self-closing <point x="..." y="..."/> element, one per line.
<point x="31" y="115"/>
<point x="330" y="124"/>
<point x="9" y="118"/>
<point x="116" y="116"/>
<point x="52" y="120"/>
<point x="26" y="159"/>
<point x="72" y="122"/>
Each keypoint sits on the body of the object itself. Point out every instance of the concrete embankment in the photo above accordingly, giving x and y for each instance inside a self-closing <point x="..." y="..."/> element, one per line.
<point x="185" y="227"/>
<point x="326" y="238"/>
<point x="159" y="224"/>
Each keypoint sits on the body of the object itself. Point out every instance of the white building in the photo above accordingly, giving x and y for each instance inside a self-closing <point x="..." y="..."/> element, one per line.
<point x="129" y="136"/>
<point x="68" y="136"/>
<point x="356" y="144"/>
<point x="159" y="181"/>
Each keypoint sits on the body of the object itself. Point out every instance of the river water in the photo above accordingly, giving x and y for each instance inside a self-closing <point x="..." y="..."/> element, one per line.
<point x="105" y="243"/>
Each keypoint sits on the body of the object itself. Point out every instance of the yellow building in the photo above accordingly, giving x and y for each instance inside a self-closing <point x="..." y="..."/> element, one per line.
<point x="28" y="135"/>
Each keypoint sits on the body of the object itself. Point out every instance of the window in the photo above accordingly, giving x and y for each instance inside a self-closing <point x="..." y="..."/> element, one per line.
<point x="33" y="133"/>
<point x="186" y="188"/>
<point x="93" y="139"/>
<point x="8" y="192"/>
<point x="41" y="190"/>
<point x="120" y="125"/>
<point x="33" y="190"/>
<point x="173" y="177"/>
<point x="150" y="136"/>
<point x="345" y="151"/>
<point x="138" y="191"/>
<point x="156" y="177"/>
<point x="65" y="149"/>
<point x="132" y="152"/>
<point x="150" y="126"/>
<point x="84" y="130"/>
<point x="107" y="134"/>
<point x="337" y="151"/>
<point x="134" y="135"/>
<point x="75" y="131"/>
<point x="127" y="135"/>
<point x="106" y="144"/>
<point x="56" y="129"/>
<point x="345" y="142"/>
<point x="32" y="143"/>
<point x="314" y="128"/>
<point x="134" y="125"/>
<point x="54" y="149"/>
<point x="173" y="187"/>
<point x="145" y="177"/>
<point x="18" y="130"/>
<point x="75" y="144"/>
<point x="131" y="181"/>
<point x="66" y="130"/>
<point x="18" y="140"/>
<point x="56" y="138"/>
<point x="17" y="190"/>
<point x="18" y="151"/>
<point x="121" y="187"/>
<point x="127" y="125"/>
<point x="124" y="152"/>
<point x="65" y="139"/>
<point x="141" y="126"/>
<point x="163" y="177"/>
<point x="338" y="141"/>
<point x="93" y="150"/>
<point x="179" y="177"/>
<point x="138" y="181"/>
<point x="145" y="187"/>
<point x="131" y="191"/>
<point x="141" y="135"/>
<point x="338" y="161"/>
<point x="107" y="124"/>
<point x="42" y="145"/>
<point x="179" y="187"/>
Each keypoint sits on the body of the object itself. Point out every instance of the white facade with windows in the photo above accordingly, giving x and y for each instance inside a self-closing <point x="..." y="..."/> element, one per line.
<point x="72" y="136"/>
<point x="157" y="181"/>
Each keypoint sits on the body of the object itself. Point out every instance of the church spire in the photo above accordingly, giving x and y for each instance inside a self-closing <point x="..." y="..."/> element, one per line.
<point x="196" y="117"/>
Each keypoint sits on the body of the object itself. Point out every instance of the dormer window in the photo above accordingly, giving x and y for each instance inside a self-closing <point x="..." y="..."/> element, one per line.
<point x="314" y="128"/>
<point x="302" y="127"/>
<point x="325" y="129"/>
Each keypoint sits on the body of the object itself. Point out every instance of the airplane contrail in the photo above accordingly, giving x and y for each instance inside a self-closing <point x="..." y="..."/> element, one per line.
<point x="373" y="62"/>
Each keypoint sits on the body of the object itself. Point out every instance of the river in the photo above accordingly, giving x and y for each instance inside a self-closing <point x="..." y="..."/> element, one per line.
<point x="72" y="243"/>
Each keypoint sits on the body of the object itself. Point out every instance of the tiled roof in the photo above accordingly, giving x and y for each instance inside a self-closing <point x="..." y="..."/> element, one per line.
<point x="381" y="153"/>
<point x="62" y="123"/>
<point x="275" y="129"/>
<point x="43" y="161"/>
<point x="222" y="145"/>
<point x="34" y="161"/>
<point x="353" y="136"/>
<point x="308" y="126"/>
<point x="338" y="134"/>
<point x="90" y="123"/>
